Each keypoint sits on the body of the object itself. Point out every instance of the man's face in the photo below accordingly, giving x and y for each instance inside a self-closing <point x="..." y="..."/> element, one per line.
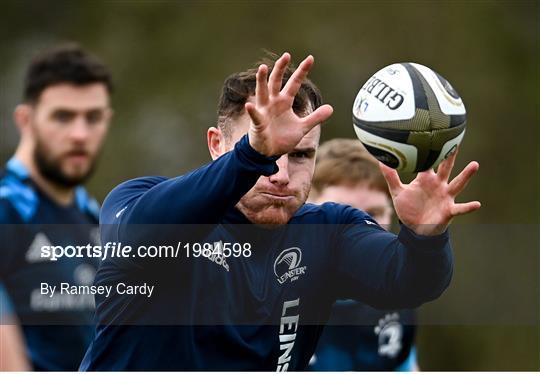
<point x="374" y="202"/>
<point x="68" y="126"/>
<point x="274" y="199"/>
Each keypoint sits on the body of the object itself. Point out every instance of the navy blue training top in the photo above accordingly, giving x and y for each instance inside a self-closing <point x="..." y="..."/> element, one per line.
<point x="259" y="312"/>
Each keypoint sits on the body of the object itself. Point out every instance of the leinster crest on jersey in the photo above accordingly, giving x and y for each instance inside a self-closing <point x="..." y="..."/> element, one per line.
<point x="287" y="265"/>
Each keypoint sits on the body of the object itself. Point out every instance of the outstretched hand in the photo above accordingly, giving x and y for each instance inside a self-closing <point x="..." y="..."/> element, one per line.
<point x="427" y="204"/>
<point x="275" y="129"/>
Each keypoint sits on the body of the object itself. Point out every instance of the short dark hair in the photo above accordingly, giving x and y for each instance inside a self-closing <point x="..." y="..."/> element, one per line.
<point x="238" y="87"/>
<point x="65" y="63"/>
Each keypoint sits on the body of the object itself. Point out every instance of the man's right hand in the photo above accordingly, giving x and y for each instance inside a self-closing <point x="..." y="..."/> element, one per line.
<point x="275" y="129"/>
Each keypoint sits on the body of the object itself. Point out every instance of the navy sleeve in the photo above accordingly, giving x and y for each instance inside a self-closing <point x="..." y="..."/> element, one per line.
<point x="147" y="210"/>
<point x="388" y="271"/>
<point x="200" y="197"/>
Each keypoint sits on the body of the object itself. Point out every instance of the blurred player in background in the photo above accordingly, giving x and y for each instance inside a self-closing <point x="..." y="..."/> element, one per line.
<point x="63" y="121"/>
<point x="359" y="337"/>
<point x="261" y="310"/>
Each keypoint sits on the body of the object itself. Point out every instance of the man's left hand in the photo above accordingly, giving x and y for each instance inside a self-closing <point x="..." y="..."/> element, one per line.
<point x="427" y="204"/>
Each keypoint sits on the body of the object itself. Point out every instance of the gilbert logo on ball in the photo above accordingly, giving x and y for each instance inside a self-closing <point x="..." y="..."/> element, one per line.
<point x="409" y="117"/>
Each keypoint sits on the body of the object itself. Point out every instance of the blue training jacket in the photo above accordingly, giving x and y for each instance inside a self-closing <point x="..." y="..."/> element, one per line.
<point x="57" y="328"/>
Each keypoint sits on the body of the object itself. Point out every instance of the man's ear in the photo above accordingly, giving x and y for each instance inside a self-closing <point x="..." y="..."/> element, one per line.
<point x="22" y="116"/>
<point x="216" y="142"/>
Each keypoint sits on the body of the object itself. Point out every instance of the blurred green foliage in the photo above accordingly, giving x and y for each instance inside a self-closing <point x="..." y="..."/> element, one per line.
<point x="169" y="59"/>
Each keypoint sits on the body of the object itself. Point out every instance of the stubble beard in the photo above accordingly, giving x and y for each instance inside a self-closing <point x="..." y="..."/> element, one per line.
<point x="260" y="211"/>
